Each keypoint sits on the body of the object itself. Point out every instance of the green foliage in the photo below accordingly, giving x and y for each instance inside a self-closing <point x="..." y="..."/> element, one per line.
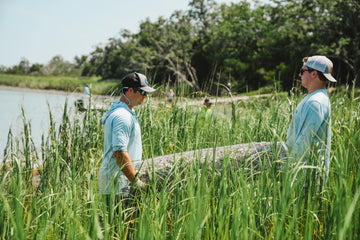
<point x="59" y="67"/>
<point x="22" y="68"/>
<point x="56" y="67"/>
<point x="247" y="45"/>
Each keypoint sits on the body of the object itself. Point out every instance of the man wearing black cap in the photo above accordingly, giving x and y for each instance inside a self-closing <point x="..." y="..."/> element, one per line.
<point x="122" y="138"/>
<point x="311" y="122"/>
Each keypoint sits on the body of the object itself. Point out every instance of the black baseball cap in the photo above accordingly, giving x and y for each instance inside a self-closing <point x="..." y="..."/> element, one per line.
<point x="138" y="81"/>
<point x="208" y="100"/>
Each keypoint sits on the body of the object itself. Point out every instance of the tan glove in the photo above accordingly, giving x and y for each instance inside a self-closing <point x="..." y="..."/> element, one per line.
<point x="141" y="185"/>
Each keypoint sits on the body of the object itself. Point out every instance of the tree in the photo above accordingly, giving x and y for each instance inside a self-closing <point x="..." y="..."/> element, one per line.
<point x="161" y="48"/>
<point x="22" y="68"/>
<point x="35" y="68"/>
<point x="203" y="14"/>
<point x="80" y="61"/>
<point x="247" y="46"/>
<point x="338" y="35"/>
<point x="170" y="42"/>
<point x="58" y="66"/>
<point x="235" y="45"/>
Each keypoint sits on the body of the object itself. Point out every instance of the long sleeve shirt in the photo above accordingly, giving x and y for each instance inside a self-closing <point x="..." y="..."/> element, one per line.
<point x="311" y="124"/>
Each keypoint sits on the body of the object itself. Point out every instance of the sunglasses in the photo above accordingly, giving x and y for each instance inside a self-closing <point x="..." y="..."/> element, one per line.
<point x="142" y="92"/>
<point x="305" y="70"/>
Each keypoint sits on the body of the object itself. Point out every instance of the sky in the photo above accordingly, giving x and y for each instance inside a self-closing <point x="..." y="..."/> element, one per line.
<point x="38" y="30"/>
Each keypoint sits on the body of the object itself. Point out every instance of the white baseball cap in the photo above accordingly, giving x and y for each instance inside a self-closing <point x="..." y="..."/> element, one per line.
<point x="322" y="64"/>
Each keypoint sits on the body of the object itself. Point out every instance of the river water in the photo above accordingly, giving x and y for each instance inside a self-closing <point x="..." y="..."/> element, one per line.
<point x="35" y="104"/>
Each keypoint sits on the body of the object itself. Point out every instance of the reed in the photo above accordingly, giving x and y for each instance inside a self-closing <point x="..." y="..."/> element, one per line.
<point x="278" y="202"/>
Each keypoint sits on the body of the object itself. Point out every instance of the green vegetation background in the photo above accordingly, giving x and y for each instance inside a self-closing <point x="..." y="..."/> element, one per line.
<point x="247" y="45"/>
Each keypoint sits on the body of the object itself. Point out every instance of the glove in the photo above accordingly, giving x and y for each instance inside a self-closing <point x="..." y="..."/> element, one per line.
<point x="141" y="185"/>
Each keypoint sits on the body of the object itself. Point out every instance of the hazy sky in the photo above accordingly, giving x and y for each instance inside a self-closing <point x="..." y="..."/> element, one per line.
<point x="40" y="29"/>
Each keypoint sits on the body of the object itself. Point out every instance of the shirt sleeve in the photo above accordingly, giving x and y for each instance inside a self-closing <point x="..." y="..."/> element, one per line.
<point x="121" y="130"/>
<point x="312" y="119"/>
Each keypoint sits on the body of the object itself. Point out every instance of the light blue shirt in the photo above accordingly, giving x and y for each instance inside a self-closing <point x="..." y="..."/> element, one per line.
<point x="86" y="91"/>
<point x="311" y="124"/>
<point x="121" y="133"/>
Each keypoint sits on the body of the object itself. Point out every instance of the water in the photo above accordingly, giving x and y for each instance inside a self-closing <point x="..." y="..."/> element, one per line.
<point x="35" y="104"/>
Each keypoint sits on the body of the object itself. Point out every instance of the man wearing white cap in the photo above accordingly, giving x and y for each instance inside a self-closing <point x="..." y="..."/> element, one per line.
<point x="311" y="122"/>
<point x="122" y="139"/>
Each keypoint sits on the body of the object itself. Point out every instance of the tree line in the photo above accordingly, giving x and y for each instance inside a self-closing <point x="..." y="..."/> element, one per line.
<point x="245" y="45"/>
<point x="57" y="66"/>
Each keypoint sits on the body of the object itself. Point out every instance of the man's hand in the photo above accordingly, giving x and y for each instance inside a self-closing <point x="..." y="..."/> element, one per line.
<point x="141" y="185"/>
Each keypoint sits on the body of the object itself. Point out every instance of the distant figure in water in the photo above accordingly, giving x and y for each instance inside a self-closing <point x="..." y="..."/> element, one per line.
<point x="87" y="90"/>
<point x="82" y="103"/>
<point x="87" y="95"/>
<point x="170" y="96"/>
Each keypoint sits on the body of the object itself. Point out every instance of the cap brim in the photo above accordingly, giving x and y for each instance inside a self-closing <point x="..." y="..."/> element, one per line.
<point x="148" y="89"/>
<point x="329" y="77"/>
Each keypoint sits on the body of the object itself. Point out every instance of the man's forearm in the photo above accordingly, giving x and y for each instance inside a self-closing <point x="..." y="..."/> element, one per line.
<point x="123" y="159"/>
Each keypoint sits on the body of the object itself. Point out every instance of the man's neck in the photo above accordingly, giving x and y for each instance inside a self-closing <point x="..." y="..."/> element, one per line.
<point x="315" y="85"/>
<point x="127" y="101"/>
<point x="311" y="90"/>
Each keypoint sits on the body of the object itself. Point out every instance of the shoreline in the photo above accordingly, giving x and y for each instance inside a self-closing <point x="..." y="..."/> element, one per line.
<point x="80" y="95"/>
<point x="101" y="98"/>
<point x="48" y="91"/>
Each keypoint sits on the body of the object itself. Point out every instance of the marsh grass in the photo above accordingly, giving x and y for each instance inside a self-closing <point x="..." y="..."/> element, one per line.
<point x="277" y="200"/>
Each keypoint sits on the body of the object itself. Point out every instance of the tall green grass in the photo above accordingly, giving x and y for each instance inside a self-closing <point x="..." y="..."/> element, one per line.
<point x="273" y="201"/>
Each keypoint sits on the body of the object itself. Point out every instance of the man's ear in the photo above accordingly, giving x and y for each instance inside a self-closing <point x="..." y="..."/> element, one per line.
<point x="314" y="74"/>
